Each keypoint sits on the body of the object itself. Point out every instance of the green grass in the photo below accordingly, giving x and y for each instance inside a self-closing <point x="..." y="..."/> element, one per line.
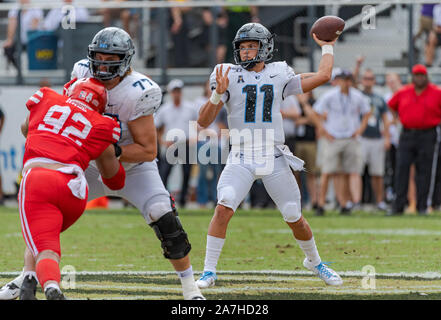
<point x="120" y="240"/>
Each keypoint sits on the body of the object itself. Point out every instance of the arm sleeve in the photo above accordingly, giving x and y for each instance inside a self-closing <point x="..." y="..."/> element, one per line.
<point x="147" y="103"/>
<point x="117" y="181"/>
<point x="226" y="96"/>
<point x="35" y="99"/>
<point x="294" y="82"/>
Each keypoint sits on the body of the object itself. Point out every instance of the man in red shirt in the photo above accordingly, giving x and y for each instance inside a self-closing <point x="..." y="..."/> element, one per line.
<point x="418" y="106"/>
<point x="64" y="133"/>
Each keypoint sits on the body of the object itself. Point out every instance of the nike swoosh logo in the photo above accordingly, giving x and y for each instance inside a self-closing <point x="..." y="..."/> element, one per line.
<point x="273" y="75"/>
<point x="278" y="156"/>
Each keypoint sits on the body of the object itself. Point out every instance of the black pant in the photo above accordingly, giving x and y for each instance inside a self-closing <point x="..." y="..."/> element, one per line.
<point x="165" y="168"/>
<point x="415" y="146"/>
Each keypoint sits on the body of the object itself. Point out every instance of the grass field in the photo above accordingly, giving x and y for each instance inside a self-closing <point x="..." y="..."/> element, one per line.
<point x="117" y="256"/>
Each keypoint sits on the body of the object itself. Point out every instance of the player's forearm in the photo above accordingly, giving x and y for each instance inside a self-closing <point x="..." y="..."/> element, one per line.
<point x="208" y="113"/>
<point x="323" y="75"/>
<point x="138" y="153"/>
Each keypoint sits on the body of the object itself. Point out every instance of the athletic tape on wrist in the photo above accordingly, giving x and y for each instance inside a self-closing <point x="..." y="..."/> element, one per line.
<point x="215" y="97"/>
<point x="327" y="49"/>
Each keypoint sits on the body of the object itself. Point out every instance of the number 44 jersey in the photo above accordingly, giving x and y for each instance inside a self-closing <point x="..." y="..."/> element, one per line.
<point x="253" y="102"/>
<point x="65" y="131"/>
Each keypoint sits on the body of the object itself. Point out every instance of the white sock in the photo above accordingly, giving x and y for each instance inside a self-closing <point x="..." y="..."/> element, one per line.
<point x="189" y="286"/>
<point x="52" y="285"/>
<point x="212" y="253"/>
<point x="310" y="250"/>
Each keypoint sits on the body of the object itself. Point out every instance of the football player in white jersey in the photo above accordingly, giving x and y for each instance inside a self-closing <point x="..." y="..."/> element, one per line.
<point x="134" y="98"/>
<point x="252" y="90"/>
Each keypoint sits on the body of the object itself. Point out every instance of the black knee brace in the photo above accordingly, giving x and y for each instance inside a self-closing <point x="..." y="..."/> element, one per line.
<point x="173" y="238"/>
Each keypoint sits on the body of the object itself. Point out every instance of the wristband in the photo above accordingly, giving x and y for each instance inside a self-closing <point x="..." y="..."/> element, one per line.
<point x="327" y="49"/>
<point x="215" y="97"/>
<point x="118" y="150"/>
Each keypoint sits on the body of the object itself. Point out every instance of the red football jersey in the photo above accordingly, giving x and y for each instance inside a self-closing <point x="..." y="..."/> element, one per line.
<point x="66" y="132"/>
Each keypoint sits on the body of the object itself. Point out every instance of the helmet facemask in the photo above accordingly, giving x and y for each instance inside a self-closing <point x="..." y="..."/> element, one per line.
<point x="113" y="68"/>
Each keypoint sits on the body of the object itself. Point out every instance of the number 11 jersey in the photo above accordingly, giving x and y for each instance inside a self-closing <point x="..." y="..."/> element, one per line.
<point x="253" y="101"/>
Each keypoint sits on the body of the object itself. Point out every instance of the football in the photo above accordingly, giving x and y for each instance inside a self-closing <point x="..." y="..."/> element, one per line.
<point x="328" y="28"/>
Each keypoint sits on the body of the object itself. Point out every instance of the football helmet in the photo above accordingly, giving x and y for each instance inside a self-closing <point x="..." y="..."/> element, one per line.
<point x="89" y="91"/>
<point x="256" y="32"/>
<point x="113" y="41"/>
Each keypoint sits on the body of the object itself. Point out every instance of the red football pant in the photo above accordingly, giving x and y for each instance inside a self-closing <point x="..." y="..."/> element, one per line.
<point x="47" y="208"/>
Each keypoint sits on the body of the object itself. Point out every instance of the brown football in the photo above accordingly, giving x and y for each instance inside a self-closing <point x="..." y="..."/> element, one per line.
<point x="328" y="28"/>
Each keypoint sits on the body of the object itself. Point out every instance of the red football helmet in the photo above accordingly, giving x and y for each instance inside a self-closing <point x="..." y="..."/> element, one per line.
<point x="89" y="91"/>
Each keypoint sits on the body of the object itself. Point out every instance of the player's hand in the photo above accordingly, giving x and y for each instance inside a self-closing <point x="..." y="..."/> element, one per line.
<point x="322" y="42"/>
<point x="222" y="80"/>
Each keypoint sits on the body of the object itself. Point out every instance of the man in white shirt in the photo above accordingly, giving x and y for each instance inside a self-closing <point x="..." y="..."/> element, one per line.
<point x="55" y="16"/>
<point x="172" y="123"/>
<point x="30" y="19"/>
<point x="341" y="109"/>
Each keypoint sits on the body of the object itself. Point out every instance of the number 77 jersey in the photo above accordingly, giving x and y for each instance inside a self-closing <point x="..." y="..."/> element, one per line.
<point x="253" y="99"/>
<point x="65" y="131"/>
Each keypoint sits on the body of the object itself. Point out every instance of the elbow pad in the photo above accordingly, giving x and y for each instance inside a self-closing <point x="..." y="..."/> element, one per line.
<point x="117" y="181"/>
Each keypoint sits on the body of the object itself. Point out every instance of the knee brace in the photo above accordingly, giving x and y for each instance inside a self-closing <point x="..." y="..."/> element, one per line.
<point x="174" y="241"/>
<point x="291" y="212"/>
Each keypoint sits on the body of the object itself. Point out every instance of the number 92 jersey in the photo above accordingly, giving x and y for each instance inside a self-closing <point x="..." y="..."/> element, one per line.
<point x="63" y="131"/>
<point x="135" y="96"/>
<point x="253" y="99"/>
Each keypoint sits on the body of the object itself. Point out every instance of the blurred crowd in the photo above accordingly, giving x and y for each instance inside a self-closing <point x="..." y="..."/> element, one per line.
<point x="188" y="28"/>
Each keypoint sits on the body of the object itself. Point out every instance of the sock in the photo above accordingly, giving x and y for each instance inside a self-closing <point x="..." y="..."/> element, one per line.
<point x="310" y="250"/>
<point x="52" y="285"/>
<point x="189" y="286"/>
<point x="48" y="269"/>
<point x="213" y="251"/>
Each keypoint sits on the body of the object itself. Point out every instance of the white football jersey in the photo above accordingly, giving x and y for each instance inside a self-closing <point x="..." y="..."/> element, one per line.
<point x="253" y="101"/>
<point x="135" y="96"/>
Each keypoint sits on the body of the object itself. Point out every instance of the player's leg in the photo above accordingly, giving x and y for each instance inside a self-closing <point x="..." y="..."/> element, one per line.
<point x="234" y="184"/>
<point x="47" y="207"/>
<point x="283" y="189"/>
<point x="145" y="190"/>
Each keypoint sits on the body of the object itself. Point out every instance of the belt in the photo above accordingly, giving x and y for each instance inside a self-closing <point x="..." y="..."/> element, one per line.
<point x="433" y="129"/>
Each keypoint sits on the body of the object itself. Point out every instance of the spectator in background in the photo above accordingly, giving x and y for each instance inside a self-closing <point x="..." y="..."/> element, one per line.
<point x="341" y="109"/>
<point x="418" y="106"/>
<point x="237" y="16"/>
<point x="375" y="139"/>
<point x="306" y="145"/>
<point x="2" y="122"/>
<point x="175" y="115"/>
<point x="221" y="19"/>
<point x="54" y="17"/>
<point x="30" y="19"/>
<point x="126" y="15"/>
<point x="425" y="21"/>
<point x="210" y="167"/>
<point x="179" y="27"/>
<point x="434" y="36"/>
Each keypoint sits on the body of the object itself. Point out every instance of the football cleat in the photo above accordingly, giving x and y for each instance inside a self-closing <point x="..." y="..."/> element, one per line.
<point x="11" y="290"/>
<point x="54" y="294"/>
<point x="329" y="276"/>
<point x="206" y="280"/>
<point x="28" y="288"/>
<point x="195" y="296"/>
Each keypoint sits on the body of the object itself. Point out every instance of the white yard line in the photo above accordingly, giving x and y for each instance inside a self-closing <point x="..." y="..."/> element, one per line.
<point x="411" y="275"/>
